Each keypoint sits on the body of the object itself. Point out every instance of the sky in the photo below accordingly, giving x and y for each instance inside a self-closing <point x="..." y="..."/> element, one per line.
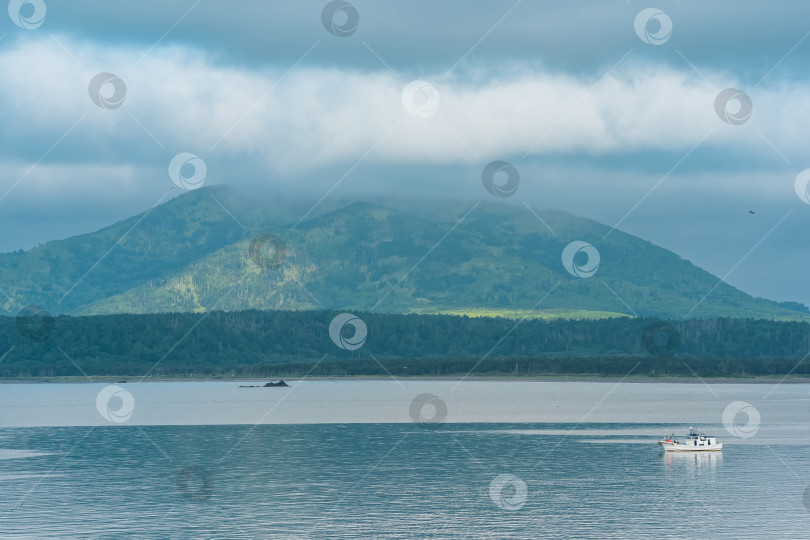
<point x="671" y="120"/>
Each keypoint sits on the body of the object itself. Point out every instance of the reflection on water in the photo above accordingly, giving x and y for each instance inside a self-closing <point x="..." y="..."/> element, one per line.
<point x="12" y="453"/>
<point x="692" y="460"/>
<point x="519" y="403"/>
<point x="391" y="481"/>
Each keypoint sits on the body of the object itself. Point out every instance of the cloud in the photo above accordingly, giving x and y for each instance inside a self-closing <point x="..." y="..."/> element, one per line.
<point x="530" y="93"/>
<point x="178" y="99"/>
<point x="423" y="35"/>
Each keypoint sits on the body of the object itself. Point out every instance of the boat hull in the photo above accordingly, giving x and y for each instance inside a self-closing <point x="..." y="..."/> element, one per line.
<point x="677" y="447"/>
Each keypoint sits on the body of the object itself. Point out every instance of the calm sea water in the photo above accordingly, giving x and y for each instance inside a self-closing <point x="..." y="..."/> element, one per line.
<point x="340" y="459"/>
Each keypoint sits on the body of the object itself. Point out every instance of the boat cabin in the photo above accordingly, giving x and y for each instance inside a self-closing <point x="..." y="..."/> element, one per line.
<point x="696" y="438"/>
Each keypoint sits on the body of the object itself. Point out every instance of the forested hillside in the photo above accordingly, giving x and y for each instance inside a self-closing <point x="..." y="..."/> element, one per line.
<point x="260" y="343"/>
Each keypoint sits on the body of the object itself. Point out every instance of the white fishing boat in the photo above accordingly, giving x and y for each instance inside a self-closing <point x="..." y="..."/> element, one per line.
<point x="694" y="442"/>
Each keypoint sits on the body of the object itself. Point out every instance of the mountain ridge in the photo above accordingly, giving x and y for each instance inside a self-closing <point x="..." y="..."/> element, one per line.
<point x="192" y="254"/>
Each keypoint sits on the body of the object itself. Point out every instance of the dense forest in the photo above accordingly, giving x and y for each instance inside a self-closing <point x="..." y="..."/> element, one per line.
<point x="288" y="343"/>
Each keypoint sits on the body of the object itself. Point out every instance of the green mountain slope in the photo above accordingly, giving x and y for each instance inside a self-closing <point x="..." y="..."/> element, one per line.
<point x="65" y="275"/>
<point x="499" y="260"/>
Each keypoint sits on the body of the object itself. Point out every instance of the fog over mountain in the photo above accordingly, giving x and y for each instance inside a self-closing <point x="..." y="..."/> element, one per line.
<point x="214" y="249"/>
<point x="601" y="117"/>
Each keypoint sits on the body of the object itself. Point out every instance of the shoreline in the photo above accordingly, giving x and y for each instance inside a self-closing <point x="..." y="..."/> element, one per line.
<point x="645" y="379"/>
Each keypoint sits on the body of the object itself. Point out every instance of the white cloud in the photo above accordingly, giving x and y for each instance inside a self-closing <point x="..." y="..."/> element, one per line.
<point x="317" y="116"/>
<point x="312" y="125"/>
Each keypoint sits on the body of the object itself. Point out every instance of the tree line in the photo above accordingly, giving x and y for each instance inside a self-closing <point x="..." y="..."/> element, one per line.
<point x="294" y="343"/>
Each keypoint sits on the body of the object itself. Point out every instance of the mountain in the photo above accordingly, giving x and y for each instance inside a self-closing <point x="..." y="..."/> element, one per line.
<point x="65" y="275"/>
<point x="194" y="254"/>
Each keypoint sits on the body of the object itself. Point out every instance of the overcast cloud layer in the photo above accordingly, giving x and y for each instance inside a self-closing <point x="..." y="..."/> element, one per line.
<point x="593" y="117"/>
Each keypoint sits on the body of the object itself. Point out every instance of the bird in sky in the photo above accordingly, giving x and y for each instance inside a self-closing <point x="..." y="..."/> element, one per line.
<point x="751" y="212"/>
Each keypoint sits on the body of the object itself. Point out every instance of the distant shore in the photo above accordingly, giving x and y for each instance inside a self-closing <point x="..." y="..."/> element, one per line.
<point x="505" y="378"/>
